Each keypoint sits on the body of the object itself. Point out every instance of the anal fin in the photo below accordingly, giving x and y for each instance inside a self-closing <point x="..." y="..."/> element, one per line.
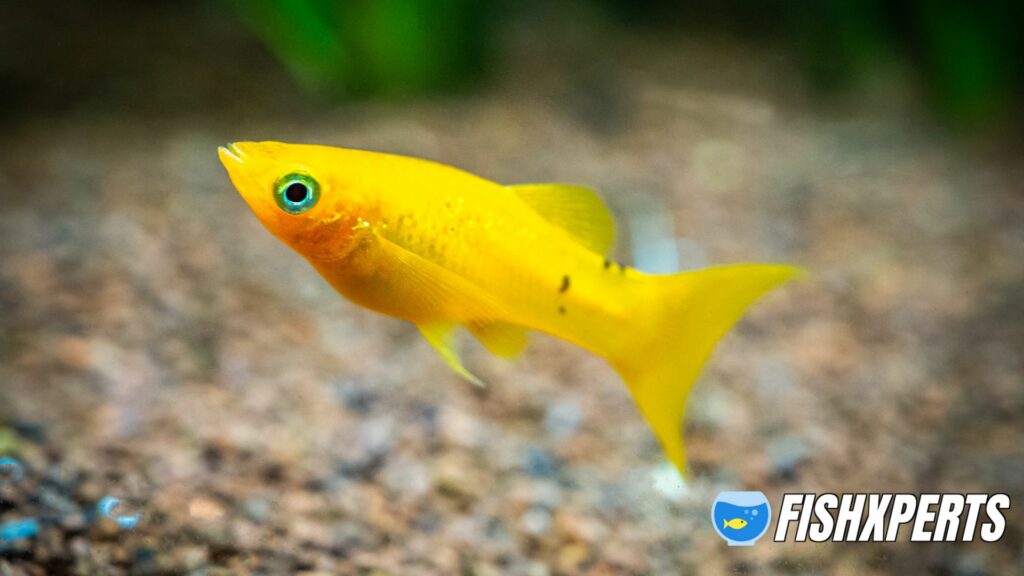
<point x="441" y="336"/>
<point x="501" y="338"/>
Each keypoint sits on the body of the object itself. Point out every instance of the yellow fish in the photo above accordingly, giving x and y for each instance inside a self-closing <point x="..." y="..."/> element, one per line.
<point x="735" y="523"/>
<point x="443" y="248"/>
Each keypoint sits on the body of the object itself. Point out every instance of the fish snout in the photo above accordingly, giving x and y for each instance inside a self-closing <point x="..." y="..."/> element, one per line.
<point x="231" y="153"/>
<point x="242" y="169"/>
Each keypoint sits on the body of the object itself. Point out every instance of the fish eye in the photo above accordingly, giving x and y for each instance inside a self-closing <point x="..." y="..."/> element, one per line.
<point x="296" y="193"/>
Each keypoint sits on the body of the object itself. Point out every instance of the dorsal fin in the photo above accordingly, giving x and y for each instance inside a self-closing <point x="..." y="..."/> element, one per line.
<point x="575" y="209"/>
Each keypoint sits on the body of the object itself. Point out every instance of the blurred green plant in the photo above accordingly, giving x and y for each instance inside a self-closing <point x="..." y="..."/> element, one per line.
<point x="374" y="47"/>
<point x="969" y="53"/>
<point x="972" y="61"/>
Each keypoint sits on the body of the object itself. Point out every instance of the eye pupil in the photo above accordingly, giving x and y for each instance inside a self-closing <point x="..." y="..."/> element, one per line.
<point x="296" y="192"/>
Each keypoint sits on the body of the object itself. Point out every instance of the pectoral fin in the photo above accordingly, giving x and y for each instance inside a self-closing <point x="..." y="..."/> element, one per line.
<point x="410" y="286"/>
<point x="441" y="336"/>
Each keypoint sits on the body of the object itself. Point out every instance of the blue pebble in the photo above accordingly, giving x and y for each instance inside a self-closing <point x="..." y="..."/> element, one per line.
<point x="11" y="470"/>
<point x="106" y="508"/>
<point x="19" y="529"/>
<point x="540" y="463"/>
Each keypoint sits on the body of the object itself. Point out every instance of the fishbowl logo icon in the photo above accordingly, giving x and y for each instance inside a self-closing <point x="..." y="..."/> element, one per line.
<point x="740" y="518"/>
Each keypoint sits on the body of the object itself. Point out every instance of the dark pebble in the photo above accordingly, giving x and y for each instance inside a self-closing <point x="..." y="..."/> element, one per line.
<point x="30" y="431"/>
<point x="144" y="562"/>
<point x="356" y="398"/>
<point x="540" y="463"/>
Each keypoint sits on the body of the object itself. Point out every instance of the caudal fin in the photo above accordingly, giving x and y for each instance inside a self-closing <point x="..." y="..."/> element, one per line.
<point x="681" y="319"/>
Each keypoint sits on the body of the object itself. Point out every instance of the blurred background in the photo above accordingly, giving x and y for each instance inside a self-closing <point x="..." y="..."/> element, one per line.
<point x="157" y="345"/>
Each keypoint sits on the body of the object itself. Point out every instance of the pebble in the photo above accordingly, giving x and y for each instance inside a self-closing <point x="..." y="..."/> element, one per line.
<point x="190" y="557"/>
<point x="972" y="564"/>
<point x="407" y="479"/>
<point x="8" y="569"/>
<point x="257" y="509"/>
<point x="105" y="528"/>
<point x="562" y="418"/>
<point x="49" y="545"/>
<point x="459" y="428"/>
<point x="79" y="547"/>
<point x="352" y="535"/>
<point x="205" y="509"/>
<point x="537" y="568"/>
<point x="30" y="431"/>
<point x="311" y="532"/>
<point x="372" y="442"/>
<point x="89" y="490"/>
<point x="74" y="522"/>
<point x="355" y="396"/>
<point x="571" y="557"/>
<point x="546" y="493"/>
<point x="786" y="454"/>
<point x="11" y="471"/>
<point x="455" y="475"/>
<point x="486" y="569"/>
<point x="580" y="528"/>
<point x="18" y="530"/>
<point x="540" y="463"/>
<point x="246" y="535"/>
<point x="536" y="521"/>
<point x="145" y="562"/>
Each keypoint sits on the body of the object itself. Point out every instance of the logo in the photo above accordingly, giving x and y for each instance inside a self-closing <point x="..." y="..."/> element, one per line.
<point x="892" y="517"/>
<point x="740" y="518"/>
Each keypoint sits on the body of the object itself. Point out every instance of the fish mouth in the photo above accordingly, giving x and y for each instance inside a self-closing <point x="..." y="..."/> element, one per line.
<point x="231" y="152"/>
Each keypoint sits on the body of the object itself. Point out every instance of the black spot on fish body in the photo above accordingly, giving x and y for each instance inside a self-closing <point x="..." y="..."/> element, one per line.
<point x="607" y="263"/>
<point x="561" y="310"/>
<point x="565" y="284"/>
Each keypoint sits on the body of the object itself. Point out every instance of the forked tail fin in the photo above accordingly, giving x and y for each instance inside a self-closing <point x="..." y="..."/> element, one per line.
<point x="682" y="317"/>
